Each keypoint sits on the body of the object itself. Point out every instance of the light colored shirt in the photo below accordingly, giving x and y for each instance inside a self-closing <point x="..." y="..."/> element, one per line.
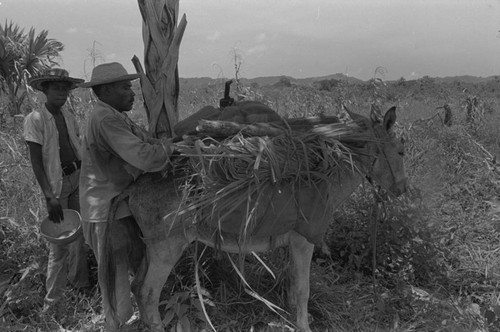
<point x="40" y="127"/>
<point x="115" y="152"/>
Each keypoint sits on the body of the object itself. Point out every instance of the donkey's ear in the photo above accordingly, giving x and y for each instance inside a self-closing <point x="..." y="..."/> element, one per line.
<point x="390" y="119"/>
<point x="375" y="116"/>
<point x="354" y="116"/>
<point x="359" y="119"/>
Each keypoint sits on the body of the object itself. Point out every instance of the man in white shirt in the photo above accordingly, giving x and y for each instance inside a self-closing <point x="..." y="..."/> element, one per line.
<point x="52" y="136"/>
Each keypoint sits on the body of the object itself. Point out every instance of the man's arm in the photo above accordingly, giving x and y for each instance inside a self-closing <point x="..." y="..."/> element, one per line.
<point x="145" y="154"/>
<point x="53" y="206"/>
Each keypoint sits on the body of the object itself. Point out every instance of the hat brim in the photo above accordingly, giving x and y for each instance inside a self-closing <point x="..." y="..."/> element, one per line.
<point x="36" y="83"/>
<point x="129" y="77"/>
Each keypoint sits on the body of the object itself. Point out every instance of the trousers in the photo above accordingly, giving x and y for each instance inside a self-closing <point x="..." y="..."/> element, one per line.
<point x="127" y="257"/>
<point x="67" y="262"/>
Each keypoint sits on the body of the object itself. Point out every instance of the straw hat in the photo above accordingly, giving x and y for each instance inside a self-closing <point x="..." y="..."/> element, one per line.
<point x="109" y="73"/>
<point x="54" y="75"/>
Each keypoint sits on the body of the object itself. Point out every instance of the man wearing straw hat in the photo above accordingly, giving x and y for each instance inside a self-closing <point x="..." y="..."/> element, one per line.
<point x="115" y="152"/>
<point x="52" y="135"/>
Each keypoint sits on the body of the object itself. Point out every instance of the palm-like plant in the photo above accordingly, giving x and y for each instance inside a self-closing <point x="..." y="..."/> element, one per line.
<point x="23" y="56"/>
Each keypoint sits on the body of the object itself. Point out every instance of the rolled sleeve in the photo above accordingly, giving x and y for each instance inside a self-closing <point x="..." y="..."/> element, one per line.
<point x="32" y="130"/>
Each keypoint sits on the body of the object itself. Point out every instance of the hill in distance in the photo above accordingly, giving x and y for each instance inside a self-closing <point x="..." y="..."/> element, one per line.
<point x="465" y="79"/>
<point x="271" y="80"/>
<point x="266" y="81"/>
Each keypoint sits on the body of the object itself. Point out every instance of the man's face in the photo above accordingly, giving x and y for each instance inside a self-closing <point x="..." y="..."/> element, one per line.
<point x="122" y="96"/>
<point x="57" y="93"/>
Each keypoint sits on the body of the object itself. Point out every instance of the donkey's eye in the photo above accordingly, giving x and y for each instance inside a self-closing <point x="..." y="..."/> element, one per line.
<point x="401" y="153"/>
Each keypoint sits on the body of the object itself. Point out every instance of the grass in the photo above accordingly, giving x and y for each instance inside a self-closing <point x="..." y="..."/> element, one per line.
<point x="428" y="261"/>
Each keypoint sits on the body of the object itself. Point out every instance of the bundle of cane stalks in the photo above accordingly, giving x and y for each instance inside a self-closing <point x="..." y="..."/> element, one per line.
<point x="226" y="173"/>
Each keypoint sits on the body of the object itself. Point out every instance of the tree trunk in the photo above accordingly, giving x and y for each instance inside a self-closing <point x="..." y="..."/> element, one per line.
<point x="160" y="82"/>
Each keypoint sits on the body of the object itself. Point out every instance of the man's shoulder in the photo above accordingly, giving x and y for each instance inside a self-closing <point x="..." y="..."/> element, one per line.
<point x="101" y="109"/>
<point x="68" y="113"/>
<point x="100" y="114"/>
<point x="34" y="127"/>
<point x="34" y="116"/>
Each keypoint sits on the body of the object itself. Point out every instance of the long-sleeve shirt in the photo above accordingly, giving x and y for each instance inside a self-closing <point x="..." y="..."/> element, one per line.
<point x="40" y="127"/>
<point x="114" y="152"/>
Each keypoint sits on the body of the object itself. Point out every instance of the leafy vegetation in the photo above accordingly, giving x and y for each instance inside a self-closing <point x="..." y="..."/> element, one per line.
<point x="427" y="261"/>
<point x="22" y="56"/>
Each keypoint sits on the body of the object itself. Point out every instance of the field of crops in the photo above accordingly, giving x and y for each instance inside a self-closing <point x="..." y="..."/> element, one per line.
<point x="427" y="261"/>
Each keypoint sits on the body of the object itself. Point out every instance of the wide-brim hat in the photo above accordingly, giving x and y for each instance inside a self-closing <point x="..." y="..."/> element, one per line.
<point x="109" y="73"/>
<point x="54" y="75"/>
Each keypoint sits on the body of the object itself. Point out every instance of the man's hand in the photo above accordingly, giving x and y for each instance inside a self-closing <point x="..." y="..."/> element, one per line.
<point x="55" y="210"/>
<point x="166" y="142"/>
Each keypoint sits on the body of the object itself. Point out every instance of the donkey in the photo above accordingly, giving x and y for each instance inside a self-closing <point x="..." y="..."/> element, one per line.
<point x="154" y="200"/>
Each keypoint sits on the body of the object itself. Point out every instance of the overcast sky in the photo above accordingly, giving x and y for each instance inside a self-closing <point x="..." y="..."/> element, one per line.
<point x="306" y="38"/>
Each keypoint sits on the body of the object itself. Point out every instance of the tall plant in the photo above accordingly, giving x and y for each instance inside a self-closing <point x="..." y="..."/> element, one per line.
<point x="23" y="55"/>
<point x="162" y="35"/>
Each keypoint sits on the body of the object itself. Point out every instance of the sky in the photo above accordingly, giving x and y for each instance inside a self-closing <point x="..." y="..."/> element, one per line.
<point x="388" y="39"/>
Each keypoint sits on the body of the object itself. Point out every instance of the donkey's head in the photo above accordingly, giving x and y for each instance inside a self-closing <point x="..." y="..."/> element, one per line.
<point x="384" y="152"/>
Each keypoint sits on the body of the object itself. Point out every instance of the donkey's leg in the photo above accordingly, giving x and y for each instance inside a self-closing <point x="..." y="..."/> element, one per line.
<point x="301" y="254"/>
<point x="137" y="259"/>
<point x="161" y="258"/>
<point x="137" y="283"/>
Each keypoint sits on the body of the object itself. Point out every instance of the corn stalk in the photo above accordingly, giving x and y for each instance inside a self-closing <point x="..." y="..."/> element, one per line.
<point x="160" y="82"/>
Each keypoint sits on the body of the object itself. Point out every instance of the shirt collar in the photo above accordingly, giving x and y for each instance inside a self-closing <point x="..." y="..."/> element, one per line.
<point x="120" y="114"/>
